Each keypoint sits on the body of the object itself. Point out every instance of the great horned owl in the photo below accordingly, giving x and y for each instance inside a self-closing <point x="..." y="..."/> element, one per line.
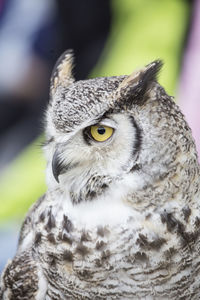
<point x="121" y="216"/>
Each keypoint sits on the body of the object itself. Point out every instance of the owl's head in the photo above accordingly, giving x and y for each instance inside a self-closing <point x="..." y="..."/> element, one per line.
<point x="102" y="131"/>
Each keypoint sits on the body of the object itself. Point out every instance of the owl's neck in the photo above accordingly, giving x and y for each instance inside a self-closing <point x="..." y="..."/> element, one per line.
<point x="178" y="185"/>
<point x="157" y="185"/>
<point x="133" y="196"/>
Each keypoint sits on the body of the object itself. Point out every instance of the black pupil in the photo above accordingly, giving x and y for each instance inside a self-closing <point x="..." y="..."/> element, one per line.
<point x="101" y="130"/>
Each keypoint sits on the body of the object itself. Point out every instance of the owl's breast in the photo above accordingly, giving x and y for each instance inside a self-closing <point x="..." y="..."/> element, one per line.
<point x="138" y="257"/>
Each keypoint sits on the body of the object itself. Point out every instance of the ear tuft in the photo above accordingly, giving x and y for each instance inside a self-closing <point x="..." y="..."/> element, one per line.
<point x="152" y="70"/>
<point x="62" y="71"/>
<point x="133" y="88"/>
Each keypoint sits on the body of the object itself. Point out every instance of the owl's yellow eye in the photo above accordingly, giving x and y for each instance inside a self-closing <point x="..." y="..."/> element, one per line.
<point x="101" y="133"/>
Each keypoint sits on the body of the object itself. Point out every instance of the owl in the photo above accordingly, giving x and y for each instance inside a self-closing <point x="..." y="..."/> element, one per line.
<point x="121" y="215"/>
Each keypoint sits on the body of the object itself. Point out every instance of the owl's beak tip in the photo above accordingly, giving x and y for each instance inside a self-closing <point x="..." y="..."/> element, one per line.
<point x="56" y="166"/>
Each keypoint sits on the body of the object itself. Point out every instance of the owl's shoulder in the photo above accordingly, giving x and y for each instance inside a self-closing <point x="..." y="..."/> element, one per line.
<point x="22" y="278"/>
<point x="27" y="227"/>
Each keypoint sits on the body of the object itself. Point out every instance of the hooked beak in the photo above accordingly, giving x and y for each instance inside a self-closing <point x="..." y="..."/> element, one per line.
<point x="59" y="166"/>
